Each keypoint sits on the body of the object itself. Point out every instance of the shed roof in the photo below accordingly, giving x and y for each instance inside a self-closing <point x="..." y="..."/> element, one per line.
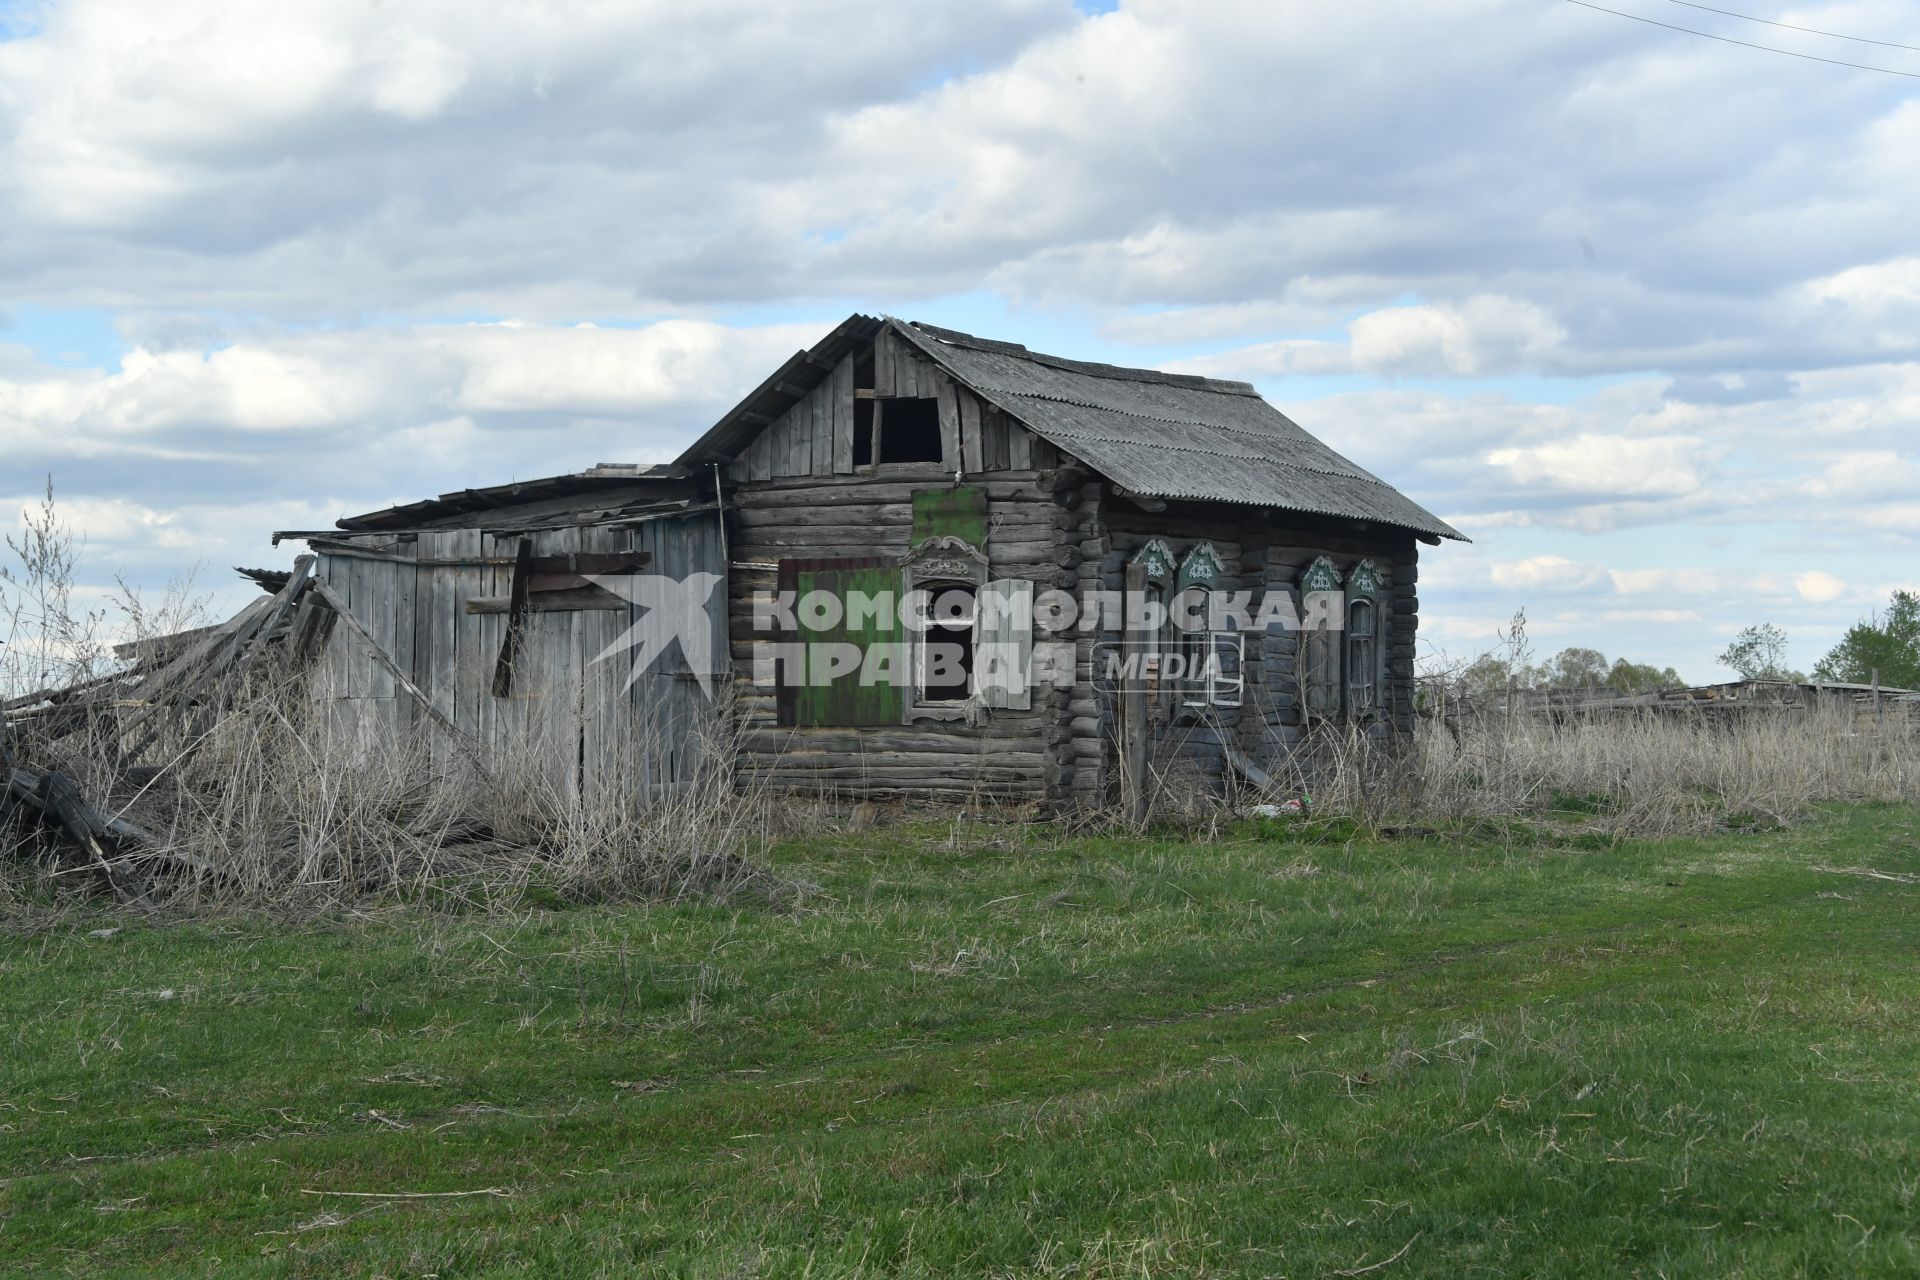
<point x="619" y="485"/>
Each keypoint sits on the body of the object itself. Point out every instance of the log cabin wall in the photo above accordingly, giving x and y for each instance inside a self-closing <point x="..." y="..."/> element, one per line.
<point x="1262" y="553"/>
<point x="568" y="721"/>
<point x="799" y="497"/>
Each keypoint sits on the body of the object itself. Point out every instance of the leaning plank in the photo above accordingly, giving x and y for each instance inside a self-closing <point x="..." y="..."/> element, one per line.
<point x="285" y="600"/>
<point x="380" y="656"/>
<point x="1239" y="762"/>
<point x="517" y="596"/>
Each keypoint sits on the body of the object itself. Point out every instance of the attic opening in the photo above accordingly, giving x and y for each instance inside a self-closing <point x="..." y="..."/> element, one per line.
<point x="909" y="430"/>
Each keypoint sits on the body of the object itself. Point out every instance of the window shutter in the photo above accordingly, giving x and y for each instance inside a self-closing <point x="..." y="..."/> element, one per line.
<point x="1323" y="604"/>
<point x="1003" y="643"/>
<point x="844" y="699"/>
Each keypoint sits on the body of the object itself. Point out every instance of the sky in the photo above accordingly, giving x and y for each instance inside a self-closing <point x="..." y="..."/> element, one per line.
<point x="1637" y="311"/>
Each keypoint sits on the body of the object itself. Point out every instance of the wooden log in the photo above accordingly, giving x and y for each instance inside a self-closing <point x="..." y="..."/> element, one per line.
<point x="61" y="801"/>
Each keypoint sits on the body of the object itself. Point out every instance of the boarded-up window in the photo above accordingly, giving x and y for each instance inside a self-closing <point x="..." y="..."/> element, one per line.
<point x="853" y="656"/>
<point x="959" y="512"/>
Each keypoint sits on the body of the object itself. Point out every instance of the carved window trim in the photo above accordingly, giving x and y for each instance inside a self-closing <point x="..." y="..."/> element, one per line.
<point x="1152" y="572"/>
<point x="939" y="561"/>
<point x="1205" y="653"/>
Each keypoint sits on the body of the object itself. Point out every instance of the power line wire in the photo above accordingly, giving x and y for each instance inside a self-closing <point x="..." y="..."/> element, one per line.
<point x="1812" y="31"/>
<point x="1746" y="44"/>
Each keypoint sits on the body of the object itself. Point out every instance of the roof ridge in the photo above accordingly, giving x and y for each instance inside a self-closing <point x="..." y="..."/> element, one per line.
<point x="1090" y="368"/>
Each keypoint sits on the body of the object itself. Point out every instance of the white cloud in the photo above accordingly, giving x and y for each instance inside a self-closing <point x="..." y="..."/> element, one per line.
<point x="1547" y="574"/>
<point x="1485" y="334"/>
<point x="1626" y="466"/>
<point x="286" y="208"/>
<point x="315" y="382"/>
<point x="1819" y="586"/>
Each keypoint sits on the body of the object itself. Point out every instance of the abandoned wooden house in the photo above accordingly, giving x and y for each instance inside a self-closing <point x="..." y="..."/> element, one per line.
<point x="898" y="457"/>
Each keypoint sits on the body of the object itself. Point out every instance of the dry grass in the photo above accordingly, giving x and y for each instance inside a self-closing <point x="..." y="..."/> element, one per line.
<point x="277" y="793"/>
<point x="287" y="804"/>
<point x="1642" y="775"/>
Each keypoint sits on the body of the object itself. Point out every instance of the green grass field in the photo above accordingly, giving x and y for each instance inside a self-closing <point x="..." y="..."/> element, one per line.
<point x="1287" y="1053"/>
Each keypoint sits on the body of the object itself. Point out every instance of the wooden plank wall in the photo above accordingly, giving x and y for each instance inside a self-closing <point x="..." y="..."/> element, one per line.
<point x="571" y="720"/>
<point x="814" y="437"/>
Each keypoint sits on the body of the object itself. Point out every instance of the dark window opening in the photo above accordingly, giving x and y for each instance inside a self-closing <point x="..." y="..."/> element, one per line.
<point x="863" y="433"/>
<point x="1360" y="641"/>
<point x="945" y="670"/>
<point x="910" y="431"/>
<point x="863" y="371"/>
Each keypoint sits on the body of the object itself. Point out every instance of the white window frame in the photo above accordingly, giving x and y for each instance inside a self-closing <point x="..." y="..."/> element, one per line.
<point x="1201" y="570"/>
<point x="1218" y="686"/>
<point x="933" y="565"/>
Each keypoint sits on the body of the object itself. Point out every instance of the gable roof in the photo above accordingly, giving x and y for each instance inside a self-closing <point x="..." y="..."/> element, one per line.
<point x="1156" y="434"/>
<point x="726" y="439"/>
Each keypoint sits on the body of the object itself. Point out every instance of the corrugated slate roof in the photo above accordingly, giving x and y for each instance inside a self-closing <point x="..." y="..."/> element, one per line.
<point x="1171" y="435"/>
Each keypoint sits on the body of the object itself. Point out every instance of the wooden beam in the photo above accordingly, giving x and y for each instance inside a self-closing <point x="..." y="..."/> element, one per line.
<point x="516" y="619"/>
<point x="585" y="598"/>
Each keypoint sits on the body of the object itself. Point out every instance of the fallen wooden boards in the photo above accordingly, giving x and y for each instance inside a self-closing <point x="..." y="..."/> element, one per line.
<point x="113" y="847"/>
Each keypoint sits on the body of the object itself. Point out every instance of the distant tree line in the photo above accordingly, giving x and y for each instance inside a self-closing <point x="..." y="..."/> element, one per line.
<point x="1884" y="646"/>
<point x="1572" y="668"/>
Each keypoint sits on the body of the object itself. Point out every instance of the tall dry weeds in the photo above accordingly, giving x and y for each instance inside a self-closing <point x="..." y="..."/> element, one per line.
<point x="295" y="799"/>
<point x="1644" y="774"/>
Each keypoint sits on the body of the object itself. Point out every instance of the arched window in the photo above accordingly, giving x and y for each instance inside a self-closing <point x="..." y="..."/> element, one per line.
<point x="1209" y="661"/>
<point x="1322" y="620"/>
<point x="1363" y="640"/>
